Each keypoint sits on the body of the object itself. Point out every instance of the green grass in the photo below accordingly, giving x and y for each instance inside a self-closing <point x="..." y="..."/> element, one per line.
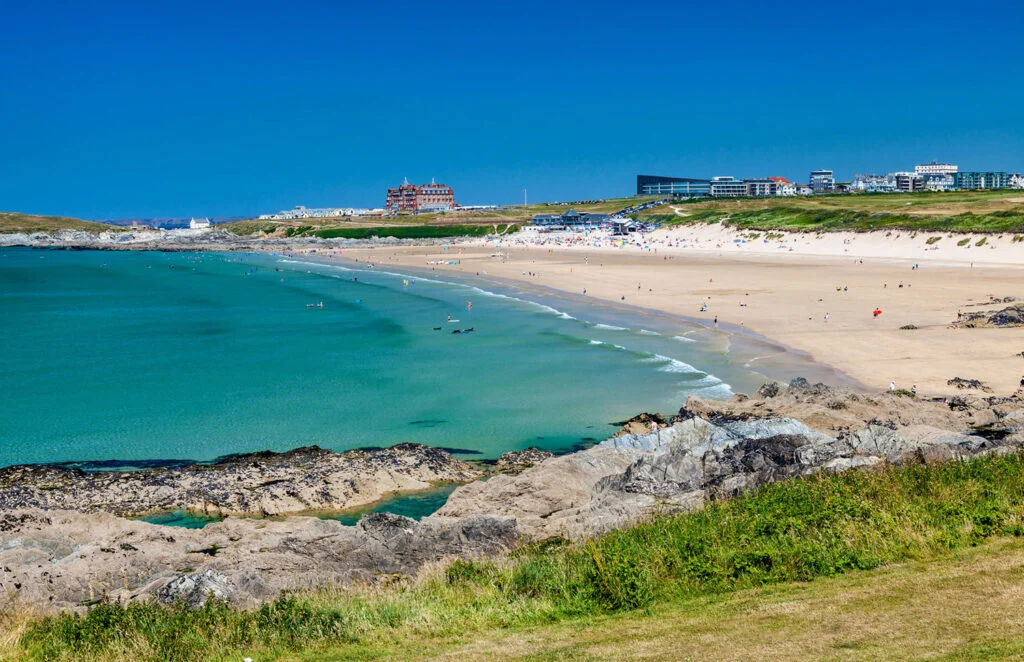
<point x="966" y="211"/>
<point x="414" y="231"/>
<point x="794" y="531"/>
<point x="246" y="228"/>
<point x="12" y="222"/>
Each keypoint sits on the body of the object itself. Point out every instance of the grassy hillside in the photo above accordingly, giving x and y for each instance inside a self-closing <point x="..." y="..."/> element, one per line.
<point x="962" y="211"/>
<point x="11" y="222"/>
<point x="796" y="531"/>
<point x="898" y="612"/>
<point x="488" y="217"/>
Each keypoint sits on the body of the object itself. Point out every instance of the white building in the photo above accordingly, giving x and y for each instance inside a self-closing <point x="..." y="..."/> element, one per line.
<point x="874" y="183"/>
<point x="822" y="181"/>
<point x="939" y="182"/>
<point x="934" y="168"/>
<point x="199" y="223"/>
<point x="1017" y="181"/>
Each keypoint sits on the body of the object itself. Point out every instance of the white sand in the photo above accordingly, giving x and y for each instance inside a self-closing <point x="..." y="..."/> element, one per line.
<point x="786" y="286"/>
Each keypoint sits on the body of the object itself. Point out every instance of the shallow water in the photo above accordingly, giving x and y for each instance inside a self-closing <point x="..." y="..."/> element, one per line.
<point x="137" y="356"/>
<point x="416" y="505"/>
<point x="180" y="518"/>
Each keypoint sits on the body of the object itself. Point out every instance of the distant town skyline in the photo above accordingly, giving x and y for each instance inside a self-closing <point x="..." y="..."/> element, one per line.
<point x="118" y="110"/>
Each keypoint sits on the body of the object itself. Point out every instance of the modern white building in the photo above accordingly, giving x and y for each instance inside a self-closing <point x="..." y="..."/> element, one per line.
<point x="934" y="168"/>
<point x="874" y="183"/>
<point x="727" y="187"/>
<point x="1017" y="181"/>
<point x="822" y="181"/>
<point x="199" y="223"/>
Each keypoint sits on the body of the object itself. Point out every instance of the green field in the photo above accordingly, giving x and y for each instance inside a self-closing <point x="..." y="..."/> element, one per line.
<point x="699" y="568"/>
<point x="11" y="222"/>
<point x="962" y="211"/>
<point x="417" y="231"/>
<point x="511" y="214"/>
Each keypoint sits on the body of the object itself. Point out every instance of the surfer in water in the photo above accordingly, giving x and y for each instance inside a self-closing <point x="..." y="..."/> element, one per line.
<point x="469" y="305"/>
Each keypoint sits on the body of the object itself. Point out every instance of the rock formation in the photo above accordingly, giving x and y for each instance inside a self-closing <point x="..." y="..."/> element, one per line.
<point x="63" y="559"/>
<point x="710" y="450"/>
<point x="257" y="484"/>
<point x="721" y="449"/>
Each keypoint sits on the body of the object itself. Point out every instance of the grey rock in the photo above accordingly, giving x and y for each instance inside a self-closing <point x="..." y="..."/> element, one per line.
<point x="517" y="461"/>
<point x="263" y="483"/>
<point x="196" y="588"/>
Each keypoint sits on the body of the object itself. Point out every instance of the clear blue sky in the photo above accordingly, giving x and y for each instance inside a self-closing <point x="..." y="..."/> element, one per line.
<point x="136" y="109"/>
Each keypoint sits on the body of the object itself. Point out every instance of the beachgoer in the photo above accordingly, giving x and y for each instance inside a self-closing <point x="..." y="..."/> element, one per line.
<point x="716" y="321"/>
<point x="913" y="389"/>
<point x="892" y="385"/>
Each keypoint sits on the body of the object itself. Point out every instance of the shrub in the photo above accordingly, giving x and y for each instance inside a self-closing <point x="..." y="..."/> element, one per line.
<point x="964" y="242"/>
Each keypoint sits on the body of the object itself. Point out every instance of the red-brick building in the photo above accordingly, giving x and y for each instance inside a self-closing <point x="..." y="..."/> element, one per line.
<point x="420" y="197"/>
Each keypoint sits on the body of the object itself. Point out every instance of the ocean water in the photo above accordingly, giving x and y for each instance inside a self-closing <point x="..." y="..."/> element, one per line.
<point x="120" y="359"/>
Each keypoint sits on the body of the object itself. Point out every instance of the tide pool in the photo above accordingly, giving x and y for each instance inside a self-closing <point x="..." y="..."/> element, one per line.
<point x="143" y="356"/>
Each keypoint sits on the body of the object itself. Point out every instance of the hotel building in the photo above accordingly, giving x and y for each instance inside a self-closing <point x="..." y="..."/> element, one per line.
<point x="418" y="198"/>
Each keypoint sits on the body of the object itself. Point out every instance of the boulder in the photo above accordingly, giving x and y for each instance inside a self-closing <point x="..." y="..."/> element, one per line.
<point x="196" y="588"/>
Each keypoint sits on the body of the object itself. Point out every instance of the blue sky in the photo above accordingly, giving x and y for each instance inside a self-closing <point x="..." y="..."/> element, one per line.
<point x="132" y="110"/>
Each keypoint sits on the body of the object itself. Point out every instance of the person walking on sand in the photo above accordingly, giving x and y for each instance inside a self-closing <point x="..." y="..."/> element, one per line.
<point x="716" y="321"/>
<point x="892" y="385"/>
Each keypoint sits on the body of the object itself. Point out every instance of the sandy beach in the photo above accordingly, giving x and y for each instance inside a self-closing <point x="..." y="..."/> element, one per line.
<point x="814" y="293"/>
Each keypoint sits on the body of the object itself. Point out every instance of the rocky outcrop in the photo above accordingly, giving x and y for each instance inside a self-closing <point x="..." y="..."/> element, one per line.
<point x="64" y="559"/>
<point x="514" y="462"/>
<point x="641" y="424"/>
<point x="1011" y="316"/>
<point x="259" y="484"/>
<point x="720" y="449"/>
<point x="709" y="450"/>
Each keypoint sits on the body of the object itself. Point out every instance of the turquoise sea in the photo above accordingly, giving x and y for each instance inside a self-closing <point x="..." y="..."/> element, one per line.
<point x="121" y="359"/>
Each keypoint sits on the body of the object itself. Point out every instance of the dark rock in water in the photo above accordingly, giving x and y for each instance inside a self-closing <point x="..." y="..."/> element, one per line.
<point x="196" y="588"/>
<point x="516" y="461"/>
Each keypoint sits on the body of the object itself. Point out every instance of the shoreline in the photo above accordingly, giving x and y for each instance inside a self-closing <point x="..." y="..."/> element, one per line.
<point x="780" y="315"/>
<point x="783" y="298"/>
<point x="800" y="363"/>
